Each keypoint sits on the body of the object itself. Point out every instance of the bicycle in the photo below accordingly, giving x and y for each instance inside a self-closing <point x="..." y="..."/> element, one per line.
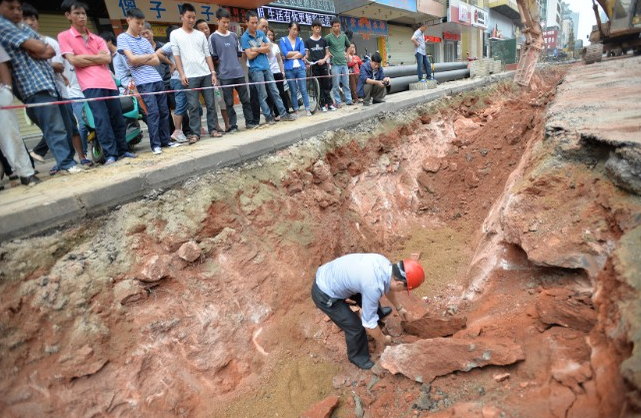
<point x="313" y="89"/>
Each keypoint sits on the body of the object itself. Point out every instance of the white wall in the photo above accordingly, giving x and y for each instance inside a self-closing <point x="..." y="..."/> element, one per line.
<point x="504" y="24"/>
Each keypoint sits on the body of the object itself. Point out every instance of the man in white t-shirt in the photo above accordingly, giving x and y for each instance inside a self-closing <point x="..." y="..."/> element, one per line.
<point x="11" y="143"/>
<point x="418" y="39"/>
<point x="196" y="69"/>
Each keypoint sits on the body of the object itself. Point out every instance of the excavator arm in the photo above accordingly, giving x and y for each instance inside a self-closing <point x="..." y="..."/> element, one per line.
<point x="531" y="19"/>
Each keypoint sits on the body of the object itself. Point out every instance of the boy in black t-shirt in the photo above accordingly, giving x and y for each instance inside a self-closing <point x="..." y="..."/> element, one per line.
<point x="317" y="53"/>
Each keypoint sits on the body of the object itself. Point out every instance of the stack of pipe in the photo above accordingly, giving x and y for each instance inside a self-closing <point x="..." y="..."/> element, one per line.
<point x="403" y="75"/>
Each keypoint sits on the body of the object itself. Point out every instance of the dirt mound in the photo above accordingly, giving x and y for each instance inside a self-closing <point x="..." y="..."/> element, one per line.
<point x="195" y="301"/>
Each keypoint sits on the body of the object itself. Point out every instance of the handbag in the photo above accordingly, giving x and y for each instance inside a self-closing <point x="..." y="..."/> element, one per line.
<point x="131" y="89"/>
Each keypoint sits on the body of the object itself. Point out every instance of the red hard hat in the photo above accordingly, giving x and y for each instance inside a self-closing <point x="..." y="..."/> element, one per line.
<point x="413" y="273"/>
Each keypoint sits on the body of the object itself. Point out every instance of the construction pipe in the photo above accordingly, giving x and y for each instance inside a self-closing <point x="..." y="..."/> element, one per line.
<point x="403" y="83"/>
<point x="405" y="70"/>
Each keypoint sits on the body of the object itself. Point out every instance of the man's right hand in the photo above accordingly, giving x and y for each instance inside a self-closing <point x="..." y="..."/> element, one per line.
<point x="403" y="314"/>
<point x="184" y="80"/>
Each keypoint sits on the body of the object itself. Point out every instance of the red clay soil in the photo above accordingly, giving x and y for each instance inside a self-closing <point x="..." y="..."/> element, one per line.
<point x="197" y="303"/>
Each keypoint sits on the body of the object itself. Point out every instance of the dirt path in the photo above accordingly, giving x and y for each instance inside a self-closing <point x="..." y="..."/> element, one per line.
<point x="195" y="301"/>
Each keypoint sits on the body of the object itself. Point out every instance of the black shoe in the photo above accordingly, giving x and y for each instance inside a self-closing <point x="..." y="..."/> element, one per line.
<point x="367" y="365"/>
<point x="376" y="101"/>
<point x="30" y="181"/>
<point x="385" y="310"/>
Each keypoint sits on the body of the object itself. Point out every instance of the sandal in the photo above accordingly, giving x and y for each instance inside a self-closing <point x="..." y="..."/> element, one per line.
<point x="86" y="162"/>
<point x="192" y="139"/>
<point x="215" y="134"/>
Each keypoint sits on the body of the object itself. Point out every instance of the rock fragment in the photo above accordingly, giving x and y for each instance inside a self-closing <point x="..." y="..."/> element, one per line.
<point x="425" y="360"/>
<point x="501" y="377"/>
<point x="322" y="409"/>
<point x="432" y="326"/>
<point x="563" y="307"/>
<point x="189" y="251"/>
<point x="129" y="291"/>
<point x="156" y="268"/>
<point x="431" y="165"/>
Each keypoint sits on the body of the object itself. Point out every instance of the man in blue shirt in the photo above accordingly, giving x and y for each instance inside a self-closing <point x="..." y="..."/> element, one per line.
<point x="363" y="278"/>
<point x="256" y="46"/>
<point x="372" y="83"/>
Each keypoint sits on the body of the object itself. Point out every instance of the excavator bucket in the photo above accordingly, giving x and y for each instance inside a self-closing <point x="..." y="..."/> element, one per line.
<point x="530" y="16"/>
<point x="526" y="66"/>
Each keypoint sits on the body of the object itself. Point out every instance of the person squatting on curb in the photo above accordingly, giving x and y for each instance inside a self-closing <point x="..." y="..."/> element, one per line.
<point x="372" y="83"/>
<point x="363" y="278"/>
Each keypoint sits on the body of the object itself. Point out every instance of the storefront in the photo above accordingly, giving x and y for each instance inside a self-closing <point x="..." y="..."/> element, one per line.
<point x="368" y="35"/>
<point x="400" y="48"/>
<point x="451" y="46"/>
<point x="463" y="32"/>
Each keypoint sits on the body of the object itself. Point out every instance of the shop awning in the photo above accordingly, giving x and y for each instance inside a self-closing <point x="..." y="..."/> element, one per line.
<point x="382" y="9"/>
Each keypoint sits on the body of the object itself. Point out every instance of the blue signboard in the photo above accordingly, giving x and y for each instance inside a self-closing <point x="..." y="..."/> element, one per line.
<point x="400" y="4"/>
<point x="364" y="26"/>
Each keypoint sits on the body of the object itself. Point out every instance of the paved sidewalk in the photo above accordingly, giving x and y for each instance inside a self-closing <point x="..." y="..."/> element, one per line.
<point x="68" y="198"/>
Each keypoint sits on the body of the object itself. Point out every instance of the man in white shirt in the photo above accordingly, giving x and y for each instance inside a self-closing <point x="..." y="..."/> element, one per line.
<point x="196" y="69"/>
<point x="418" y="39"/>
<point x="363" y="278"/>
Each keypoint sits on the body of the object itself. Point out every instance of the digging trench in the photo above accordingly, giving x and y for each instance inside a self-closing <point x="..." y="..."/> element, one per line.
<point x="195" y="301"/>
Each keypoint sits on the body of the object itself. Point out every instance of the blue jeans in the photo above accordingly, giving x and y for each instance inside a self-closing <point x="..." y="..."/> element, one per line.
<point x="340" y="74"/>
<point x="54" y="126"/>
<point x="157" y="113"/>
<point x="82" y="128"/>
<point x="300" y="74"/>
<point x="259" y="76"/>
<point x="180" y="97"/>
<point x="423" y="61"/>
<point x="110" y="124"/>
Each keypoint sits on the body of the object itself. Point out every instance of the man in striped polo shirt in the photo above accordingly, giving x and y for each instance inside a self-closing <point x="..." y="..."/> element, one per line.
<point x="142" y="59"/>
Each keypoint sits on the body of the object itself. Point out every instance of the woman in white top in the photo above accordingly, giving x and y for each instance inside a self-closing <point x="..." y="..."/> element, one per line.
<point x="276" y="65"/>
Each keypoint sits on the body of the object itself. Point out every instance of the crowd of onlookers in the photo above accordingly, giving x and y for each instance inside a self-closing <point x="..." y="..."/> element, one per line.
<point x="168" y="79"/>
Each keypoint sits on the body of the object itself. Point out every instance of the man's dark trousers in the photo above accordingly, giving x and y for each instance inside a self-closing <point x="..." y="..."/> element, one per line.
<point x="340" y="313"/>
<point x="243" y="95"/>
<point x="110" y="124"/>
<point x="157" y="113"/>
<point x="325" y="84"/>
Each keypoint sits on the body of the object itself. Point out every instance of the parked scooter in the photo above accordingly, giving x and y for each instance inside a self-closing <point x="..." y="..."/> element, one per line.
<point x="130" y="111"/>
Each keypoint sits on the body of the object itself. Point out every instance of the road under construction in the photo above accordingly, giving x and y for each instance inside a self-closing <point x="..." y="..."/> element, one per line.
<point x="179" y="285"/>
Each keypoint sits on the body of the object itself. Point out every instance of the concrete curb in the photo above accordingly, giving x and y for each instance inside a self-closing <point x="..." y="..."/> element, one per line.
<point x="42" y="210"/>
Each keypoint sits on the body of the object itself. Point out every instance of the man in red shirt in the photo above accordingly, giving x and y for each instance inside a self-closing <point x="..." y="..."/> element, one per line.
<point x="89" y="55"/>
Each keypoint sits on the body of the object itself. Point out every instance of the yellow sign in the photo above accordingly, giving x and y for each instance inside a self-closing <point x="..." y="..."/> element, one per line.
<point x="160" y="10"/>
<point x="382" y="48"/>
<point x="159" y="30"/>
